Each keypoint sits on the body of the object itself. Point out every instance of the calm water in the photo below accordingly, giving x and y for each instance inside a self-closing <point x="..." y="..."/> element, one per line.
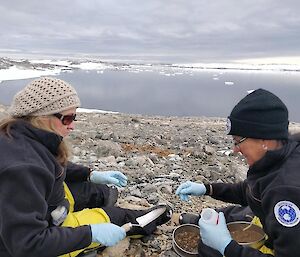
<point x="200" y="93"/>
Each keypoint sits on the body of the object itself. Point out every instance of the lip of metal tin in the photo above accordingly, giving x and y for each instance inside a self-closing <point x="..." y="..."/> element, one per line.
<point x="180" y="229"/>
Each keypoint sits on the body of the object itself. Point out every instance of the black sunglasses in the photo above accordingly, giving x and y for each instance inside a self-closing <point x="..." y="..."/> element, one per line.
<point x="65" y="119"/>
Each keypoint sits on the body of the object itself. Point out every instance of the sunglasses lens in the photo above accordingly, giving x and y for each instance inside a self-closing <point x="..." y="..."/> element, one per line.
<point x="68" y="119"/>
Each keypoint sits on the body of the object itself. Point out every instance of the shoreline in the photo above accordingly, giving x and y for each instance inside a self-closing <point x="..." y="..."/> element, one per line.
<point x="293" y="126"/>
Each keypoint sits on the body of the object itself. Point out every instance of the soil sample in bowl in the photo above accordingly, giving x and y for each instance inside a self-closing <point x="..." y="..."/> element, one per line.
<point x="245" y="232"/>
<point x="188" y="240"/>
<point x="246" y="236"/>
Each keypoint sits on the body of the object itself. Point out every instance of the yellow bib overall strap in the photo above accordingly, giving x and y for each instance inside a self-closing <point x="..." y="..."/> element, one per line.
<point x="263" y="249"/>
<point x="83" y="217"/>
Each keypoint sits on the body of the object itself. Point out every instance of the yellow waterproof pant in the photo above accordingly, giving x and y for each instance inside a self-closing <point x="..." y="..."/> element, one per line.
<point x="263" y="249"/>
<point x="84" y="217"/>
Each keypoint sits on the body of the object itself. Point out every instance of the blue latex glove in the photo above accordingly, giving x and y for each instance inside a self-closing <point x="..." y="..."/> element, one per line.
<point x="215" y="236"/>
<point x="108" y="177"/>
<point x="190" y="188"/>
<point x="107" y="234"/>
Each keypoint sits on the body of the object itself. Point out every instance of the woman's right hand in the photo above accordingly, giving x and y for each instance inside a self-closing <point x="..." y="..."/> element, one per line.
<point x="107" y="234"/>
<point x="190" y="188"/>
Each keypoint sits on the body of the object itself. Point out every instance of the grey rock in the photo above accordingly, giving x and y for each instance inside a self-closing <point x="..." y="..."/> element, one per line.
<point x="107" y="148"/>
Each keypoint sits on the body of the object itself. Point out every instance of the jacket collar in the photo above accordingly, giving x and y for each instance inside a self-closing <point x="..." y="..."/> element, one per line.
<point x="272" y="160"/>
<point x="49" y="139"/>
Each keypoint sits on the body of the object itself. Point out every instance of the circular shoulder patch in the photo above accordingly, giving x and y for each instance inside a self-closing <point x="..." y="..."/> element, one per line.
<point x="287" y="213"/>
<point x="228" y="126"/>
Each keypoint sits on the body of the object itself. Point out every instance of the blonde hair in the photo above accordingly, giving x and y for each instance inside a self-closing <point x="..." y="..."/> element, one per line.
<point x="63" y="152"/>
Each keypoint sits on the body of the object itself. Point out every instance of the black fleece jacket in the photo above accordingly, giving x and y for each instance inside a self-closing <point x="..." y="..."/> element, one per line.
<point x="31" y="185"/>
<point x="273" y="179"/>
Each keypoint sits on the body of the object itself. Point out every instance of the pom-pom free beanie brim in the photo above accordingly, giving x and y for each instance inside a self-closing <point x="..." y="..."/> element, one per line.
<point x="44" y="96"/>
<point x="260" y="114"/>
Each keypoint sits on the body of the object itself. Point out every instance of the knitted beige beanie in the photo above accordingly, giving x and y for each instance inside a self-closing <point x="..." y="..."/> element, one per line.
<point x="44" y="96"/>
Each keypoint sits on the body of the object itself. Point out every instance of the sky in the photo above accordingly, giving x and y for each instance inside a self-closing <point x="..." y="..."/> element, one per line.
<point x="166" y="30"/>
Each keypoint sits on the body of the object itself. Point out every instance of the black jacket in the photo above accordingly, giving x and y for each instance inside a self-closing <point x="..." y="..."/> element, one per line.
<point x="31" y="185"/>
<point x="272" y="185"/>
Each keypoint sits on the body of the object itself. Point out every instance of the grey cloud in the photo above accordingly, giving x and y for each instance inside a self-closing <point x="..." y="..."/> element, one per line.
<point x="200" y="29"/>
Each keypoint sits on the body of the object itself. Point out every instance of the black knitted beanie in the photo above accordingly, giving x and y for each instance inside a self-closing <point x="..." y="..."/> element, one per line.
<point x="260" y="114"/>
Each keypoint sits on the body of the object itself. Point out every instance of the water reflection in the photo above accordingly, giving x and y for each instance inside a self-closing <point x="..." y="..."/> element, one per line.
<point x="201" y="93"/>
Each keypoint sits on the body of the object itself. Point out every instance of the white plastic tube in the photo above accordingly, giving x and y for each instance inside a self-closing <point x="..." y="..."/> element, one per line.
<point x="210" y="216"/>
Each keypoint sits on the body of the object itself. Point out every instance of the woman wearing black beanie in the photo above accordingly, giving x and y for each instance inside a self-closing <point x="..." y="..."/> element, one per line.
<point x="271" y="191"/>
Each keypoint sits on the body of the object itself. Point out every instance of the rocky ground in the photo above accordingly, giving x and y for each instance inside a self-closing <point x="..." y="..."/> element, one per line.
<point x="156" y="154"/>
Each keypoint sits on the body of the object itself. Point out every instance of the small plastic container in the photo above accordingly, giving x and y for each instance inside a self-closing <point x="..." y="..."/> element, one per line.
<point x="210" y="216"/>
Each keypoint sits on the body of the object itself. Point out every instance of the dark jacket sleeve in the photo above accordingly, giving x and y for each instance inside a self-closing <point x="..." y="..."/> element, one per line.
<point x="76" y="172"/>
<point x="230" y="193"/>
<point x="285" y="238"/>
<point x="236" y="250"/>
<point x="24" y="228"/>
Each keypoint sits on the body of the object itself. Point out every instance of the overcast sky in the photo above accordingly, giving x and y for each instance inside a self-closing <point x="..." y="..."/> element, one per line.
<point x="188" y="30"/>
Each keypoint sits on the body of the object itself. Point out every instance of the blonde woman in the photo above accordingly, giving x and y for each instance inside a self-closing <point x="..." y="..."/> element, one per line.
<point x="40" y="214"/>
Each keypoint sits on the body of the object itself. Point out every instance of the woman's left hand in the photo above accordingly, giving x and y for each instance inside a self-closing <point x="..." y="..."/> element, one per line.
<point x="108" y="177"/>
<point x="216" y="236"/>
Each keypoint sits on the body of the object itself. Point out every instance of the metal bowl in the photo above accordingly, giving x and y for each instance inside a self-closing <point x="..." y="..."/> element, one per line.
<point x="247" y="233"/>
<point x="177" y="246"/>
